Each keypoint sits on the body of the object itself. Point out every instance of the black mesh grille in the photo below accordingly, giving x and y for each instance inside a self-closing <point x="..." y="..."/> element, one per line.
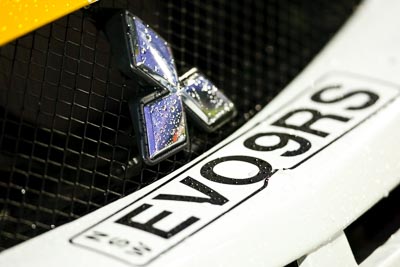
<point x="67" y="146"/>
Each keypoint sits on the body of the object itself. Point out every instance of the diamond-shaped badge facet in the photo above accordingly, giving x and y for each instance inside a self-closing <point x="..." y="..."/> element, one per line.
<point x="165" y="124"/>
<point x="208" y="105"/>
<point x="151" y="54"/>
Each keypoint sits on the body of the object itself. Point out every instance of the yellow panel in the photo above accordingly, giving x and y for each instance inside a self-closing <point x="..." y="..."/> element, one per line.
<point x="18" y="17"/>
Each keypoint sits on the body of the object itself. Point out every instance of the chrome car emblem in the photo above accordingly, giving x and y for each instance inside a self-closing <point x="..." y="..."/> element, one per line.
<point x="158" y="108"/>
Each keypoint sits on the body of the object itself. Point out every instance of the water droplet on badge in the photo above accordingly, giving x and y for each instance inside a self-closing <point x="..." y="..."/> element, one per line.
<point x="148" y="37"/>
<point x="23" y="191"/>
<point x="172" y="109"/>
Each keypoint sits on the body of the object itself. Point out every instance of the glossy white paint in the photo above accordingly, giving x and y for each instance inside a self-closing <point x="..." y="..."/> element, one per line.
<point x="335" y="253"/>
<point x="387" y="255"/>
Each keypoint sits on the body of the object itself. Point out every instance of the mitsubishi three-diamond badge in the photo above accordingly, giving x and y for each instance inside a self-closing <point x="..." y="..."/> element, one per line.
<point x="158" y="104"/>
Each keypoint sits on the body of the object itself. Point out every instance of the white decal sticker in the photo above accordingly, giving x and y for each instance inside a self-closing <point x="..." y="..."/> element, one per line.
<point x="199" y="195"/>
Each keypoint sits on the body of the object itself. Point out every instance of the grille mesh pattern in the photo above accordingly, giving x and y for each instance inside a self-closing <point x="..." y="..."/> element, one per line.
<point x="67" y="146"/>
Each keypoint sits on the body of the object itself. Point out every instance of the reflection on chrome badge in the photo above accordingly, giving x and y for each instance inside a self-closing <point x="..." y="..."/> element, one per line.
<point x="158" y="111"/>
